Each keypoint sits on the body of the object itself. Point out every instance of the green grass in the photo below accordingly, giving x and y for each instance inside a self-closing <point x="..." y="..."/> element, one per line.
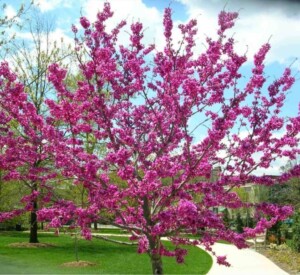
<point x="99" y="230"/>
<point x="223" y="242"/>
<point x="110" y="258"/>
<point x="110" y="231"/>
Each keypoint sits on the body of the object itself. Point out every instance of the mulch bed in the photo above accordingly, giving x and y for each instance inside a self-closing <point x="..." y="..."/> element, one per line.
<point x="30" y="245"/>
<point x="36" y="245"/>
<point x="78" y="264"/>
<point x="286" y="259"/>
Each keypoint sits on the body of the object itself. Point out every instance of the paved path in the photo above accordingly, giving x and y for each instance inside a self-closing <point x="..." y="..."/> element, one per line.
<point x="243" y="262"/>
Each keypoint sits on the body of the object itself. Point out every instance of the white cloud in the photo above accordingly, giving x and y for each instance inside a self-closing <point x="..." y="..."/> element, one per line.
<point x="57" y="36"/>
<point x="258" y="21"/>
<point x="48" y="5"/>
<point x="131" y="11"/>
<point x="10" y="12"/>
<point x="274" y="169"/>
<point x="60" y="36"/>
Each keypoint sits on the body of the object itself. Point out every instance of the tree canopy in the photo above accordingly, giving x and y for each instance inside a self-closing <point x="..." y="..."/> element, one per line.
<point x="139" y="102"/>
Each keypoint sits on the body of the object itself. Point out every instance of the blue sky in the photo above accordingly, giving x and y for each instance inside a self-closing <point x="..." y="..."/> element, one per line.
<point x="259" y="21"/>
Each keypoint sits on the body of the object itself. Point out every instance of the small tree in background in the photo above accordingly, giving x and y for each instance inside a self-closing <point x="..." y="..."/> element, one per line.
<point x="239" y="223"/>
<point x="24" y="155"/>
<point x="30" y="59"/>
<point x="226" y="218"/>
<point x="296" y="232"/>
<point x="11" y="22"/>
<point x="285" y="193"/>
<point x="142" y="110"/>
<point x="249" y="221"/>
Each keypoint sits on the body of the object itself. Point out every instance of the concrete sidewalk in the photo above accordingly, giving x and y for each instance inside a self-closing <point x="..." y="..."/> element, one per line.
<point x="243" y="262"/>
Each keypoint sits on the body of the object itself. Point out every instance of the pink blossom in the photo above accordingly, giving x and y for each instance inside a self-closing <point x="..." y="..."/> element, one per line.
<point x="85" y="23"/>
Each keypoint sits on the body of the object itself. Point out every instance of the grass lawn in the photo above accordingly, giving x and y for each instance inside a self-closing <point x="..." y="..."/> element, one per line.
<point x="99" y="230"/>
<point x="110" y="231"/>
<point x="110" y="258"/>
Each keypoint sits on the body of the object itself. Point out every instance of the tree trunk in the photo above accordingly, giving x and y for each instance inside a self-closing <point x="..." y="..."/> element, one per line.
<point x="95" y="225"/>
<point x="157" y="266"/>
<point x="154" y="242"/>
<point x="155" y="257"/>
<point x="33" y="224"/>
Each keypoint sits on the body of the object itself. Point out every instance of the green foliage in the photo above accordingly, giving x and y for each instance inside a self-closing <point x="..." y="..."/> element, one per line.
<point x="249" y="222"/>
<point x="239" y="223"/>
<point x="276" y="231"/>
<point x="242" y="193"/>
<point x="10" y="194"/>
<point x="76" y="193"/>
<point x="288" y="193"/>
<point x="296" y="232"/>
<point x="226" y="218"/>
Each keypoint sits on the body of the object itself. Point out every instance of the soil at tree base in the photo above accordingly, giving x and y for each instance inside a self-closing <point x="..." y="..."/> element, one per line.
<point x="31" y="245"/>
<point x="78" y="264"/>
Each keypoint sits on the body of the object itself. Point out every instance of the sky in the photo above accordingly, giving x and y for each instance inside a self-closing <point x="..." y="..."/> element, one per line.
<point x="260" y="21"/>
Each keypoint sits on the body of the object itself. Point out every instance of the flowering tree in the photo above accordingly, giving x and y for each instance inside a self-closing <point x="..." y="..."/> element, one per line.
<point x="30" y="61"/>
<point x="140" y="102"/>
<point x="24" y="158"/>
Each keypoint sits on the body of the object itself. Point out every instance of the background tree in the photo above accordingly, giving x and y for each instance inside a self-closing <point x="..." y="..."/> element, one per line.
<point x="10" y="194"/>
<point x="24" y="157"/>
<point x="286" y="193"/>
<point x="226" y="217"/>
<point x="10" y="197"/>
<point x="296" y="232"/>
<point x="9" y="23"/>
<point x="239" y="223"/>
<point x="30" y="59"/>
